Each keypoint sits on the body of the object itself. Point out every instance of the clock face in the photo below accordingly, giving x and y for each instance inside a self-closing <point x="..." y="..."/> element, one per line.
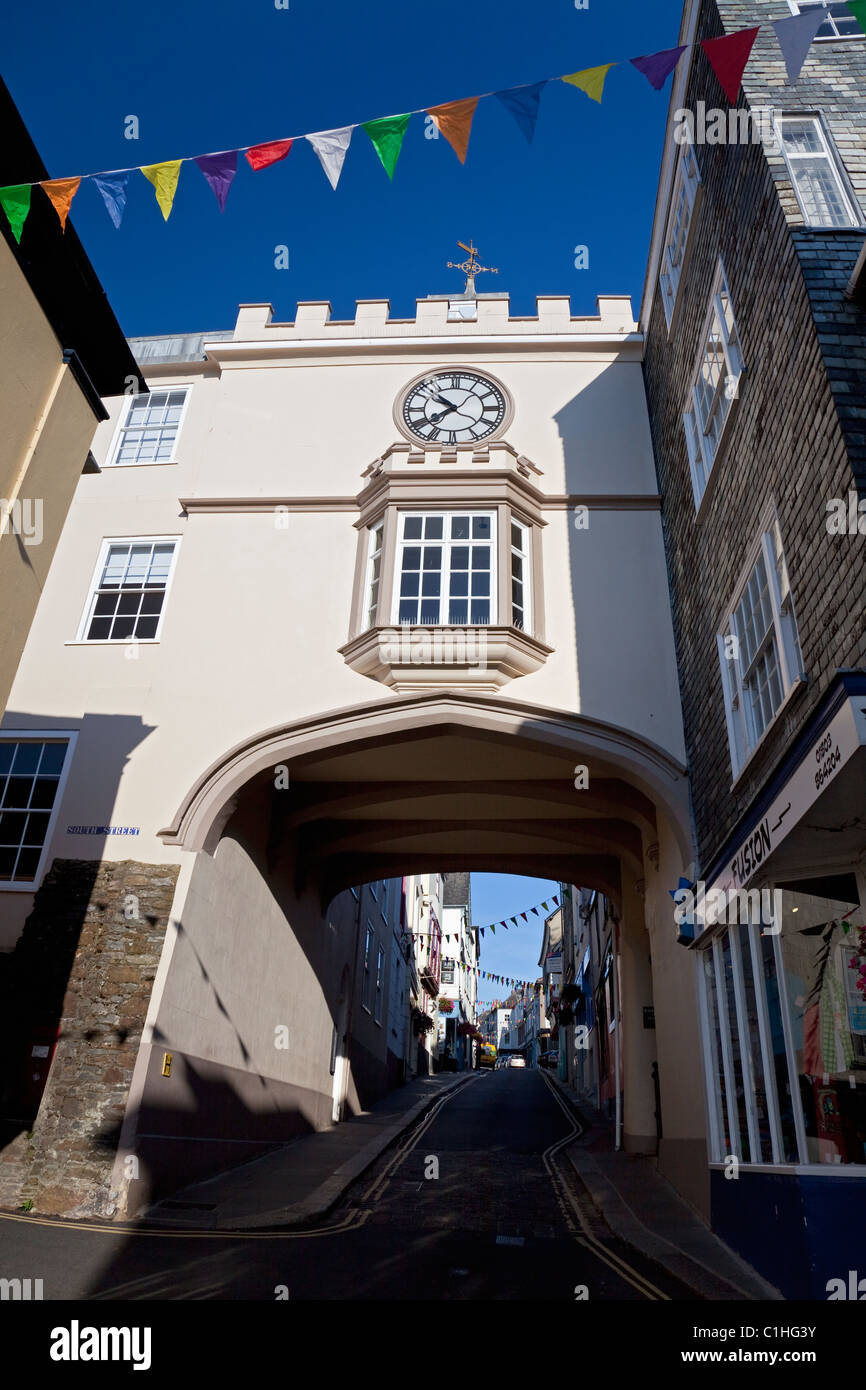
<point x="453" y="408"/>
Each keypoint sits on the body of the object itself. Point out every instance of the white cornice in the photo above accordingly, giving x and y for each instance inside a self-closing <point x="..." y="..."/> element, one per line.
<point x="236" y="350"/>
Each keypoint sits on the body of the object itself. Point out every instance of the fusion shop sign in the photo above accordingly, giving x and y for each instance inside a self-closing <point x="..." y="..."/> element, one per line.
<point x="845" y="733"/>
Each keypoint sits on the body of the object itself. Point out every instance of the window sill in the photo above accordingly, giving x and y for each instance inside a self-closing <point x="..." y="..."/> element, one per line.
<point x="797" y="686"/>
<point x="456" y="658"/>
<point x="114" y="642"/>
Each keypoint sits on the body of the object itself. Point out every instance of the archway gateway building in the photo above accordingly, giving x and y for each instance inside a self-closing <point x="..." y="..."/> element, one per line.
<point x="347" y="602"/>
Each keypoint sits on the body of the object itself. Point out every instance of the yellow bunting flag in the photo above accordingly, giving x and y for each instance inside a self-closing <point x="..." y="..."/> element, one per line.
<point x="454" y="119"/>
<point x="61" y="192"/>
<point x="164" y="178"/>
<point x="590" y="80"/>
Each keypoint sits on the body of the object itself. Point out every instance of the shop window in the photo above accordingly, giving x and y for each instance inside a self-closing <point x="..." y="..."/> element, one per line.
<point x="784" y="1029"/>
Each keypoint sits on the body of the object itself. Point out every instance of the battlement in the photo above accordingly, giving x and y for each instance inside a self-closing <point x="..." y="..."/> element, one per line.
<point x="439" y="315"/>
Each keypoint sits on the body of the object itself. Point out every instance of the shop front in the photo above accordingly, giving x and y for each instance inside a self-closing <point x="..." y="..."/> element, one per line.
<point x="782" y="990"/>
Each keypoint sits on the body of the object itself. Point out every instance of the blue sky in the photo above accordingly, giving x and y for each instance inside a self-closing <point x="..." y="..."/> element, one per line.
<point x="513" y="953"/>
<point x="204" y="75"/>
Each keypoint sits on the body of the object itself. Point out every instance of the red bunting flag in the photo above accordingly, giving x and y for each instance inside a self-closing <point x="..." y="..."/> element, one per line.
<point x="728" y="57"/>
<point x="260" y="156"/>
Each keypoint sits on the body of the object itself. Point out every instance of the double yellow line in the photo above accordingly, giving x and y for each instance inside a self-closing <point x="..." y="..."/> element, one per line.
<point x="569" y="1204"/>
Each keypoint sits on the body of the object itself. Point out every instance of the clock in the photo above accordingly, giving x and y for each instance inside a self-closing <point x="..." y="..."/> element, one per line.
<point x="452" y="407"/>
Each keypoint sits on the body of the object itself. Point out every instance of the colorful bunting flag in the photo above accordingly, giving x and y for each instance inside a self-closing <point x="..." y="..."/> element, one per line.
<point x="795" y="35"/>
<point x="113" y="190"/>
<point x="61" y="192"/>
<point x="657" y="67"/>
<point x="271" y="152"/>
<point x="590" y="80"/>
<point x="454" y="120"/>
<point x="219" y="170"/>
<point x="387" y="137"/>
<point x="164" y="178"/>
<point x="524" y="916"/>
<point x="331" y="147"/>
<point x="523" y="104"/>
<point x="728" y="57"/>
<point x="15" y="202"/>
<point x="858" y="10"/>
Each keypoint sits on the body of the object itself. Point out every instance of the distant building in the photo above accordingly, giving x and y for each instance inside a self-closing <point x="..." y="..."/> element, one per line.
<point x="459" y="980"/>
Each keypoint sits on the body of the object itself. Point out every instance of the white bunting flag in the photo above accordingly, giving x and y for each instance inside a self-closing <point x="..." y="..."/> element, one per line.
<point x="331" y="147"/>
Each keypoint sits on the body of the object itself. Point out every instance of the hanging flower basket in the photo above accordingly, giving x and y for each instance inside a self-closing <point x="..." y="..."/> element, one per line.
<point x="446" y="1006"/>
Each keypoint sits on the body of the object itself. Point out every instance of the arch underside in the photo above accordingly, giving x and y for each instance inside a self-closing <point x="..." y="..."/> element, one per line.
<point x="437" y="782"/>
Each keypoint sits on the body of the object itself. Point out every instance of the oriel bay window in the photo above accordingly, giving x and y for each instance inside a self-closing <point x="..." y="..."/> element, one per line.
<point x="446" y="569"/>
<point x="448" y="585"/>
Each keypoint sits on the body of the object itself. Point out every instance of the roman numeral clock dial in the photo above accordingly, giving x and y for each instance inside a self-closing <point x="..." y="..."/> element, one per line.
<point x="453" y="408"/>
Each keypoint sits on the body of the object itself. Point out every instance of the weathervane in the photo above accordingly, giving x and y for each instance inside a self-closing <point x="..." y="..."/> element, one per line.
<point x="472" y="267"/>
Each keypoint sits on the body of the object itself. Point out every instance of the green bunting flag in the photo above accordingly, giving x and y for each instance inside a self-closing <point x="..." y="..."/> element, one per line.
<point x="15" y="202"/>
<point x="387" y="137"/>
<point x="858" y="10"/>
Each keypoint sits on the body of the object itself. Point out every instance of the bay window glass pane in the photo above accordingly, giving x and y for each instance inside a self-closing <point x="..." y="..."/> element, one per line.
<point x="827" y="1015"/>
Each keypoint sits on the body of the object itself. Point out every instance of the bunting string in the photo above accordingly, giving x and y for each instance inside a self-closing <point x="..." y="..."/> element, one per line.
<point x="727" y="56"/>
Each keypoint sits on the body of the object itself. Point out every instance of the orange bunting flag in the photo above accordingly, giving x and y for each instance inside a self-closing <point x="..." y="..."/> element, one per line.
<point x="454" y="119"/>
<point x="590" y="80"/>
<point x="61" y="192"/>
<point x="164" y="178"/>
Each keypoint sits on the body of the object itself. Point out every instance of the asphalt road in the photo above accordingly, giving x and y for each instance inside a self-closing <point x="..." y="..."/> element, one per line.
<point x="474" y="1204"/>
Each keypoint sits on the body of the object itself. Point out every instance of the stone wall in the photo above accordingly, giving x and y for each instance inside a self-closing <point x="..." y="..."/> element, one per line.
<point x="87" y="958"/>
<point x="789" y="436"/>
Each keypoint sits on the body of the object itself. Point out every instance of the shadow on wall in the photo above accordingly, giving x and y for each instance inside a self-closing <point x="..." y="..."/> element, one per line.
<point x="619" y="584"/>
<point x="43" y="1001"/>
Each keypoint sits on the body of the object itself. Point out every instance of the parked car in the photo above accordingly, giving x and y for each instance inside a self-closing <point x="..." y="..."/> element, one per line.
<point x="549" y="1059"/>
<point x="516" y="1062"/>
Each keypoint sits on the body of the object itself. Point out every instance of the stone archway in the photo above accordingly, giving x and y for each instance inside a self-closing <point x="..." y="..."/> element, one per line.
<point x="407" y="785"/>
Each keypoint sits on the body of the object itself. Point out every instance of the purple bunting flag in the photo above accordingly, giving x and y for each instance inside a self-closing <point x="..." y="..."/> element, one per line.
<point x="657" y="67"/>
<point x="113" y="190"/>
<point x="219" y="170"/>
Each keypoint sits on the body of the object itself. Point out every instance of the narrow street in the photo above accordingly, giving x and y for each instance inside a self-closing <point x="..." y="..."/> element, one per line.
<point x="503" y="1220"/>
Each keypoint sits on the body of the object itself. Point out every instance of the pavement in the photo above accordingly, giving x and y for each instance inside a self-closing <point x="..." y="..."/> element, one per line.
<point x="642" y="1208"/>
<point x="302" y="1180"/>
